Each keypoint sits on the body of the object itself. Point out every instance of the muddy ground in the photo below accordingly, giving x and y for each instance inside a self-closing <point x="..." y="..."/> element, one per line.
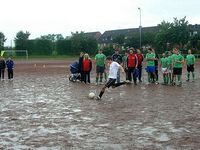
<point x="40" y="109"/>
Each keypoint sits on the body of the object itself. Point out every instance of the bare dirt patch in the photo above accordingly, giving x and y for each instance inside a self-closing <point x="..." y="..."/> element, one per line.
<point x="40" y="109"/>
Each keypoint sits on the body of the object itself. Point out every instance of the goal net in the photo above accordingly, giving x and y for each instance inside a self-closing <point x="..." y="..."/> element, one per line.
<point x="15" y="54"/>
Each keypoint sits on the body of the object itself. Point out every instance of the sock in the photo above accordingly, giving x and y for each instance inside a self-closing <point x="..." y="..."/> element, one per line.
<point x="101" y="79"/>
<point x="193" y="76"/>
<point x="188" y="76"/>
<point x="164" y="78"/>
<point x="101" y="93"/>
<point x="170" y="78"/>
<point x="179" y="78"/>
<point x="167" y="79"/>
<point x="149" y="78"/>
<point x="97" y="79"/>
<point x="105" y="76"/>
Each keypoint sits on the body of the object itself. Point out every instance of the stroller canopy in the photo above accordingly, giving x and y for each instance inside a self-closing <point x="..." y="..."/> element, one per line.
<point x="74" y="67"/>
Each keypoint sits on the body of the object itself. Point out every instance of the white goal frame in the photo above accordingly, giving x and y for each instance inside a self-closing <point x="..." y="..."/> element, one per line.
<point x="14" y="51"/>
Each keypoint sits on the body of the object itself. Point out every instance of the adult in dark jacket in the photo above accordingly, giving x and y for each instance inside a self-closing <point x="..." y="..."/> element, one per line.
<point x="117" y="58"/>
<point x="10" y="67"/>
<point x="2" y="68"/>
<point x="80" y="65"/>
<point x="140" y="60"/>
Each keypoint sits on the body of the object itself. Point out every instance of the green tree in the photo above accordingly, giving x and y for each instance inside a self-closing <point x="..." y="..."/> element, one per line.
<point x="119" y="39"/>
<point x="2" y="40"/>
<point x="173" y="34"/>
<point x="163" y="37"/>
<point x="148" y="39"/>
<point x="180" y="32"/>
<point x="133" y="41"/>
<point x="21" y="40"/>
<point x="81" y="42"/>
<point x="193" y="42"/>
<point x="52" y="37"/>
<point x="63" y="47"/>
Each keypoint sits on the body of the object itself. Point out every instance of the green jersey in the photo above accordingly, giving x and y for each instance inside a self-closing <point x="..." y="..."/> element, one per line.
<point x="170" y="60"/>
<point x="164" y="62"/>
<point x="190" y="59"/>
<point x="150" y="56"/>
<point x="100" y="59"/>
<point x="178" y="57"/>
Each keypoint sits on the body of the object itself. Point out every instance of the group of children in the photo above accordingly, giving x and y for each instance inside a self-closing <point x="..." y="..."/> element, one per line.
<point x="9" y="64"/>
<point x="130" y="64"/>
<point x="172" y="65"/>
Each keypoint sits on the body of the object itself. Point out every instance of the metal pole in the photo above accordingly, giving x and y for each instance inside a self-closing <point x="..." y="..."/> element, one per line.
<point x="140" y="28"/>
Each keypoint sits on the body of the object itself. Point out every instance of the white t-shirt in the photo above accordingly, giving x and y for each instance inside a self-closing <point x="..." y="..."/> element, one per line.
<point x="114" y="67"/>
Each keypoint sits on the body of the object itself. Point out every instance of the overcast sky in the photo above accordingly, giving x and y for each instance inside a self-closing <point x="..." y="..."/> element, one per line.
<point x="41" y="17"/>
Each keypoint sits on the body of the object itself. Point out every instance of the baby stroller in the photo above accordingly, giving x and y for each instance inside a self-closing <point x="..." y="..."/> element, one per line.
<point x="75" y="75"/>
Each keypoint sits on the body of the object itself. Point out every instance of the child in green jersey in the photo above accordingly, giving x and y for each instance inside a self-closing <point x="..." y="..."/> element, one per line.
<point x="190" y="60"/>
<point x="150" y="59"/>
<point x="178" y="61"/>
<point x="170" y="68"/>
<point x="100" y="66"/>
<point x="164" y="68"/>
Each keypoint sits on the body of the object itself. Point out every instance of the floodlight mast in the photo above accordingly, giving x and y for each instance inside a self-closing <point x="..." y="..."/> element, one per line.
<point x="140" y="28"/>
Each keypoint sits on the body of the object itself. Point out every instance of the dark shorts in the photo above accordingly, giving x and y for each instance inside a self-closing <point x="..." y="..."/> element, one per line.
<point x="177" y="71"/>
<point x="190" y="68"/>
<point x="100" y="69"/>
<point x="110" y="82"/>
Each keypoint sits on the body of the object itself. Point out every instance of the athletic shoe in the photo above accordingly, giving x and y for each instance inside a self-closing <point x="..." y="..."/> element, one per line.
<point x="127" y="82"/>
<point x="179" y="84"/>
<point x="187" y="80"/>
<point x="113" y="86"/>
<point x="96" y="83"/>
<point x="140" y="80"/>
<point x="98" y="98"/>
<point x="192" y="80"/>
<point x="173" y="83"/>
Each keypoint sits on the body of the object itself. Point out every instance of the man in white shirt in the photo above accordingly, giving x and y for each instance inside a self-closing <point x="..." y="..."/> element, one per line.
<point x="113" y="69"/>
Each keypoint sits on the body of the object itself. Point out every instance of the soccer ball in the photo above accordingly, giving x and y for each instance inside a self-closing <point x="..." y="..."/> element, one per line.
<point x="91" y="95"/>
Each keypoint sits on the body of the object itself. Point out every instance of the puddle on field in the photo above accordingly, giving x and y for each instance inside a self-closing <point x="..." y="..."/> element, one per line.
<point x="163" y="137"/>
<point x="76" y="131"/>
<point x="148" y="130"/>
<point x="43" y="113"/>
<point x="76" y="110"/>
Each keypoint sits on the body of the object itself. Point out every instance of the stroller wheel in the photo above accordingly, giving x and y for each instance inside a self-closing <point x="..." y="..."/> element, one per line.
<point x="70" y="78"/>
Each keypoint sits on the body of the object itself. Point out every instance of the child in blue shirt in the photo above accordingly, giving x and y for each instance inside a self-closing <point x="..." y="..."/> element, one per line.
<point x="10" y="66"/>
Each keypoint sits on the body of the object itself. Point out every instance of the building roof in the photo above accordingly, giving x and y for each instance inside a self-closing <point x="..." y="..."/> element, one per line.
<point x="95" y="35"/>
<point x="109" y="35"/>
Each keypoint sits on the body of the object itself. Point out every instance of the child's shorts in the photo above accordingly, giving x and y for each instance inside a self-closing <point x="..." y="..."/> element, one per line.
<point x="150" y="69"/>
<point x="177" y="71"/>
<point x="164" y="70"/>
<point x="190" y="68"/>
<point x="110" y="82"/>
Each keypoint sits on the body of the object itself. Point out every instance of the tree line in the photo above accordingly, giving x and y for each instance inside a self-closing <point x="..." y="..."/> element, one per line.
<point x="169" y="35"/>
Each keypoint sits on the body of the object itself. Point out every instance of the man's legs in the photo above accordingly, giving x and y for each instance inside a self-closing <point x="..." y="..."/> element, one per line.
<point x="0" y="73"/>
<point x="118" y="76"/>
<point x="140" y="73"/>
<point x="193" y="76"/>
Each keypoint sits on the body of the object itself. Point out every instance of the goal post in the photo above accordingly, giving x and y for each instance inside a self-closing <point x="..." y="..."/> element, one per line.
<point x="14" y="53"/>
